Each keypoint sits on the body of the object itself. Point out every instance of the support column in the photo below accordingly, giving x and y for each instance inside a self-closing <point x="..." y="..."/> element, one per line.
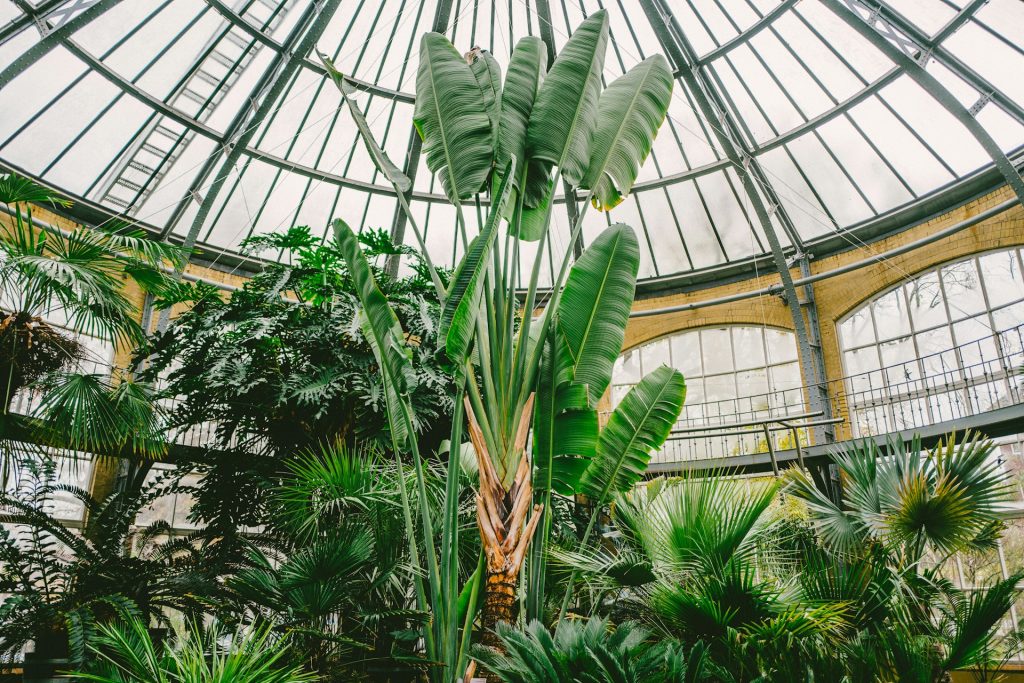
<point x="712" y="107"/>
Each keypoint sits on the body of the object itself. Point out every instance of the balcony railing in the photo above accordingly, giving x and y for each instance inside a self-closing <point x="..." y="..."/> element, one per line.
<point x="964" y="381"/>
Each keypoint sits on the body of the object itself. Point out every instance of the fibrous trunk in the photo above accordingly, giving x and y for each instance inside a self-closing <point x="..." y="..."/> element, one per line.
<point x="501" y="513"/>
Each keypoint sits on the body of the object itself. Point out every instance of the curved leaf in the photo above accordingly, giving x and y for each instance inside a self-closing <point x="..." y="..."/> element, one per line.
<point x="488" y="77"/>
<point x="565" y="114"/>
<point x="383" y="332"/>
<point x="594" y="308"/>
<point x="639" y="425"/>
<point x="451" y="118"/>
<point x="628" y="117"/>
<point x="565" y="427"/>
<point x="522" y="82"/>
<point x="458" y="317"/>
<point x="380" y="158"/>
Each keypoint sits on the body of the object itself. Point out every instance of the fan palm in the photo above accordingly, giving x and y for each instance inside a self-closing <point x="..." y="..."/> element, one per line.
<point x="506" y="137"/>
<point x="902" y="516"/>
<point x="126" y="652"/>
<point x="75" y="276"/>
<point x="592" y="652"/>
<point x="689" y="562"/>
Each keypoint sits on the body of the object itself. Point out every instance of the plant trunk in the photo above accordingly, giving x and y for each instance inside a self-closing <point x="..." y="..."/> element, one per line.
<point x="504" y="531"/>
<point x="499" y="604"/>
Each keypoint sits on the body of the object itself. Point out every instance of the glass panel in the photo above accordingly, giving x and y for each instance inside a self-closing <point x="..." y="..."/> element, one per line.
<point x="748" y="347"/>
<point x="963" y="289"/>
<point x="686" y="354"/>
<point x="716" y="349"/>
<point x="1004" y="282"/>
<point x="924" y="296"/>
<point x="655" y="355"/>
<point x="891" y="318"/>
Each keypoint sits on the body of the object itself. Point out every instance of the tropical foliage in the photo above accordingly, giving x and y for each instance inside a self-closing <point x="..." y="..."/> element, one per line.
<point x="126" y="652"/>
<point x="62" y="582"/>
<point x="76" y="276"/>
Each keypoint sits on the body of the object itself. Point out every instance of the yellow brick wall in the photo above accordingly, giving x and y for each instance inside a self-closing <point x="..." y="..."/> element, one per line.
<point x="837" y="296"/>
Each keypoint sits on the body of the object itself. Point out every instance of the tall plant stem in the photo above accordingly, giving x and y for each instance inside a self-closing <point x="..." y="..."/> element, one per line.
<point x="572" y="577"/>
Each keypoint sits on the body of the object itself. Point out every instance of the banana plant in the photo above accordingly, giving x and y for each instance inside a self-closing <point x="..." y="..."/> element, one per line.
<point x="507" y="144"/>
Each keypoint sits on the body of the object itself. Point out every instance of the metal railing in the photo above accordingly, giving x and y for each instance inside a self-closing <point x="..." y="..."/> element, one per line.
<point x="963" y="381"/>
<point x="966" y="380"/>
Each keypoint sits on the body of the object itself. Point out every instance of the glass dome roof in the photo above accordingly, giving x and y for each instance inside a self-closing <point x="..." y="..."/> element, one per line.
<point x="151" y="109"/>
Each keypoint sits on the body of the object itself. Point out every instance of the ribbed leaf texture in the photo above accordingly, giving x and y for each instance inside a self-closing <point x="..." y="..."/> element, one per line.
<point x="452" y="119"/>
<point x="629" y="114"/>
<point x="383" y="332"/>
<point x="522" y="82"/>
<point x="458" y="317"/>
<point x="380" y="158"/>
<point x="595" y="304"/>
<point x="488" y="75"/>
<point x="638" y="426"/>
<point x="565" y="114"/>
<point x="565" y="427"/>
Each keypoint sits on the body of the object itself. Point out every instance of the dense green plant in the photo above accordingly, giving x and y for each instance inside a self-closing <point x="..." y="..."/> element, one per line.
<point x="783" y="583"/>
<point x="61" y="582"/>
<point x="78" y="274"/>
<point x="592" y="652"/>
<point x="279" y="365"/>
<point x="332" y="575"/>
<point x="482" y="134"/>
<point x="902" y="516"/>
<point x="126" y="653"/>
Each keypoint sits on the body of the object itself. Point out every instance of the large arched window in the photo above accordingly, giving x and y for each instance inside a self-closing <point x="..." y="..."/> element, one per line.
<point x="941" y="346"/>
<point x="733" y="374"/>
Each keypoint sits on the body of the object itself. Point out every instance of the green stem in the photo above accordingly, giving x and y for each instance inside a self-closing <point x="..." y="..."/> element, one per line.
<point x="467" y="626"/>
<point x="572" y="577"/>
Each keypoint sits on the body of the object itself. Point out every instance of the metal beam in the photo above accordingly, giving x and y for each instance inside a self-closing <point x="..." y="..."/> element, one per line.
<point x="442" y="14"/>
<point x="881" y="11"/>
<point x="255" y="33"/>
<point x="247" y="120"/>
<point x="681" y="54"/>
<point x="301" y="40"/>
<point x="913" y="68"/>
<point x="51" y="40"/>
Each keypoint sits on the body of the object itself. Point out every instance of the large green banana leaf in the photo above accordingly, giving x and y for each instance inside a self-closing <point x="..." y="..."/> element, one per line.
<point x="629" y="114"/>
<point x="380" y="158"/>
<point x="452" y="120"/>
<point x="565" y="113"/>
<point x="523" y="80"/>
<point x="565" y="426"/>
<point x="638" y="425"/>
<point x="383" y="332"/>
<point x="488" y="76"/>
<point x="594" y="308"/>
<point x="459" y="315"/>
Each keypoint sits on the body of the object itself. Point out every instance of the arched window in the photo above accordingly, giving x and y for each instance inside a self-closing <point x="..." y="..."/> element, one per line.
<point x="733" y="374"/>
<point x="938" y="347"/>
